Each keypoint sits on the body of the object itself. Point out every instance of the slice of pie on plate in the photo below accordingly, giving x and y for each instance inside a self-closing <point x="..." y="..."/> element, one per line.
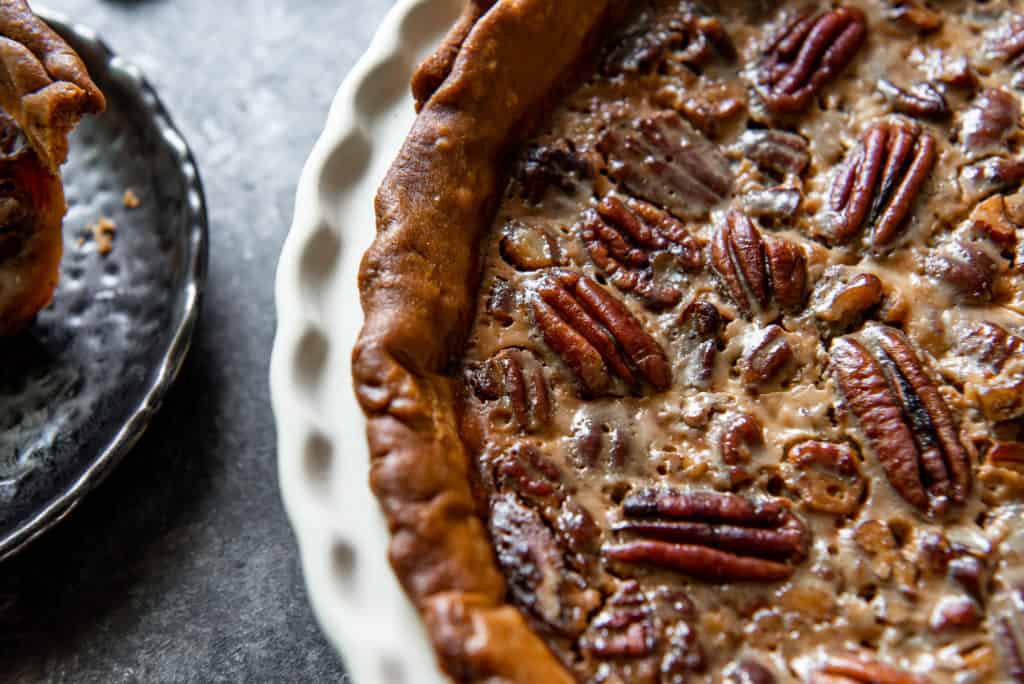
<point x="694" y="343"/>
<point x="44" y="91"/>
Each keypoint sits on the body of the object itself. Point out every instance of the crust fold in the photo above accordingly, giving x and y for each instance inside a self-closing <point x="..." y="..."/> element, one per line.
<point x="44" y="85"/>
<point x="418" y="286"/>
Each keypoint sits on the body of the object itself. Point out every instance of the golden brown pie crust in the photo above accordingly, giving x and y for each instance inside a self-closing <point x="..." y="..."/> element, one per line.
<point x="418" y="290"/>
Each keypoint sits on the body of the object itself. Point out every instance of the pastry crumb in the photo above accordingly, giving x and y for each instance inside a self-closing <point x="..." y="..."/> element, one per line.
<point x="103" y="232"/>
<point x="130" y="199"/>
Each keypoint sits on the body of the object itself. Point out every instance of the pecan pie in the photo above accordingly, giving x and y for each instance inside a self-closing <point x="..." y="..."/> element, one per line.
<point x="694" y="343"/>
<point x="44" y="91"/>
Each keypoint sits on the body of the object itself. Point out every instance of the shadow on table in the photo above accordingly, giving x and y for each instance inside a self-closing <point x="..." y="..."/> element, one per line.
<point x="64" y="584"/>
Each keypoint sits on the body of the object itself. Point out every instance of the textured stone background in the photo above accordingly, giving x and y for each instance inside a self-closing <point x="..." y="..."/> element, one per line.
<point x="182" y="567"/>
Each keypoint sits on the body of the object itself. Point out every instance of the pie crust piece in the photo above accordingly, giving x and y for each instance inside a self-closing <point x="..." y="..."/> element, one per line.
<point x="44" y="91"/>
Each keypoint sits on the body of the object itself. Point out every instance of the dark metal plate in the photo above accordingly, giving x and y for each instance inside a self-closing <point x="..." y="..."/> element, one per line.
<point x="80" y="387"/>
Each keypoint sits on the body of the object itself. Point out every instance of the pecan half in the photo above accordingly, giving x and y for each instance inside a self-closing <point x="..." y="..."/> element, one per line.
<point x="708" y="107"/>
<point x="501" y="302"/>
<point x="988" y="122"/>
<point x="775" y="151"/>
<point x="749" y="671"/>
<point x="757" y="273"/>
<point x="515" y="377"/>
<point x="529" y="247"/>
<point x="534" y="564"/>
<point x="523" y="469"/>
<point x="596" y="334"/>
<point x="625" y="627"/>
<point x="988" y="344"/>
<point x="808" y="52"/>
<point x="989" y="176"/>
<point x="946" y="68"/>
<point x="905" y="418"/>
<point x="967" y="266"/>
<point x="653" y="626"/>
<point x="740" y="433"/>
<point x="970" y="572"/>
<point x="877" y="186"/>
<point x="995" y="220"/>
<point x="664" y="160"/>
<point x="1003" y="470"/>
<point x="1006" y="42"/>
<point x="1008" y="630"/>
<point x="842" y="297"/>
<point x="953" y="613"/>
<point x="712" y="536"/>
<point x="827" y="476"/>
<point x="675" y="34"/>
<point x="922" y="100"/>
<point x="1001" y="398"/>
<point x="767" y="355"/>
<point x="699" y="333"/>
<point x="601" y="444"/>
<point x="855" y="670"/>
<point x="554" y="165"/>
<point x="772" y="205"/>
<point x="911" y="14"/>
<point x="624" y="240"/>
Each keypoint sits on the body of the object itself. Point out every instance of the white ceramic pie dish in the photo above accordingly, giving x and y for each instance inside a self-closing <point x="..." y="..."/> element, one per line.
<point x="322" y="454"/>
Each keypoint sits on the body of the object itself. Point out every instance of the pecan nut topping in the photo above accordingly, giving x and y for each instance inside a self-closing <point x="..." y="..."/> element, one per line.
<point x="502" y="302"/>
<point x="599" y="444"/>
<point x="991" y="175"/>
<point x="529" y="247"/>
<point x="1006" y="42"/>
<point x="663" y="159"/>
<point x="1001" y="398"/>
<point x="596" y="335"/>
<point x="675" y="33"/>
<point x="740" y="433"/>
<point x="997" y="221"/>
<point x="827" y="476"/>
<point x="709" y="107"/>
<point x="757" y="273"/>
<point x="750" y="672"/>
<point x="810" y="51"/>
<point x="969" y="266"/>
<point x="952" y="613"/>
<point x="626" y="238"/>
<point x="1003" y="470"/>
<point x="988" y="122"/>
<point x="535" y="566"/>
<point x="854" y="670"/>
<point x="771" y="205"/>
<point x="712" y="536"/>
<point x="778" y="152"/>
<point x="989" y="345"/>
<point x="922" y="100"/>
<point x="842" y="299"/>
<point x="699" y="333"/>
<point x="515" y="377"/>
<point x="1009" y="632"/>
<point x="653" y="626"/>
<point x="766" y="358"/>
<point x="905" y="418"/>
<point x="523" y="469"/>
<point x="554" y="165"/>
<point x="877" y="186"/>
<point x="913" y="16"/>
